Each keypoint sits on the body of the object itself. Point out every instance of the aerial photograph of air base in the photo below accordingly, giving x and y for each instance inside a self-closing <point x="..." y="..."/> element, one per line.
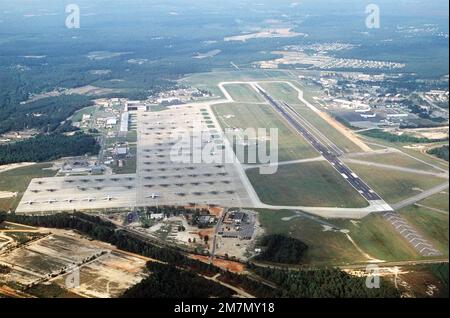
<point x="195" y="149"/>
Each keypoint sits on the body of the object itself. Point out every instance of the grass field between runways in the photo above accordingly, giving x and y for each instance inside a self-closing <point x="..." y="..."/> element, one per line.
<point x="243" y="93"/>
<point x="314" y="184"/>
<point x="284" y="92"/>
<point x="291" y="145"/>
<point x="325" y="247"/>
<point x="395" y="186"/>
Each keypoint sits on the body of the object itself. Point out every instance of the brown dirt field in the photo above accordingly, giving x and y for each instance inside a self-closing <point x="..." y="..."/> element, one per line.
<point x="217" y="211"/>
<point x="234" y="267"/>
<point x="15" y="166"/>
<point x="124" y="267"/>
<point x="204" y="232"/>
<point x="9" y="292"/>
<point x="135" y="255"/>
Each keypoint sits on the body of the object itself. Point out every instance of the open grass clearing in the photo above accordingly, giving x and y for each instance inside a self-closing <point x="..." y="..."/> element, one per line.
<point x="324" y="247"/>
<point x="284" y="92"/>
<point x="438" y="201"/>
<point x="306" y="184"/>
<point x="434" y="226"/>
<point x="398" y="159"/>
<point x="17" y="180"/>
<point x="244" y="93"/>
<point x="291" y="145"/>
<point x="378" y="238"/>
<point x="394" y="186"/>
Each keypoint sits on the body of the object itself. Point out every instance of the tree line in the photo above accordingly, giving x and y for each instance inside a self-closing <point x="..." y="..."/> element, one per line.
<point x="380" y="134"/>
<point x="324" y="283"/>
<point x="440" y="152"/>
<point x="45" y="114"/>
<point x="168" y="281"/>
<point x="49" y="147"/>
<point x="278" y="248"/>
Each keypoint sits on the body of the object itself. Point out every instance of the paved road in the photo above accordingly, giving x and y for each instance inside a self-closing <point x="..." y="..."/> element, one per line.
<point x="283" y="163"/>
<point x="327" y="212"/>
<point x="401" y="263"/>
<point x="364" y="265"/>
<point x="432" y="209"/>
<point x="390" y="167"/>
<point x="420" y="196"/>
<point x="329" y="153"/>
<point x="216" y="231"/>
<point x="373" y="152"/>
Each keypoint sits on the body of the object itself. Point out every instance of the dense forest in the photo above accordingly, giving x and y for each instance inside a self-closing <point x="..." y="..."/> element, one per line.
<point x="168" y="281"/>
<point x="440" y="152"/>
<point x="281" y="249"/>
<point x="45" y="114"/>
<point x="48" y="147"/>
<point x="380" y="134"/>
<point x="325" y="283"/>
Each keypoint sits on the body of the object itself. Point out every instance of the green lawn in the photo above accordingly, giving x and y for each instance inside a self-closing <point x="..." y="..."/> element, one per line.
<point x="373" y="235"/>
<point x="132" y="136"/>
<point x="412" y="152"/>
<point x="394" y="186"/>
<point x="281" y="91"/>
<point x="292" y="146"/>
<point x="378" y="238"/>
<point x="437" y="201"/>
<point x="432" y="225"/>
<point x="324" y="247"/>
<point x="286" y="93"/>
<point x="244" y="93"/>
<point x="17" y="180"/>
<point x="129" y="164"/>
<point x="397" y="159"/>
<point x="78" y="116"/>
<point x="306" y="184"/>
<point x="210" y="80"/>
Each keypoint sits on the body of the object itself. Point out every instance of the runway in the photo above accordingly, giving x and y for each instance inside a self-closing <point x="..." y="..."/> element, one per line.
<point x="331" y="153"/>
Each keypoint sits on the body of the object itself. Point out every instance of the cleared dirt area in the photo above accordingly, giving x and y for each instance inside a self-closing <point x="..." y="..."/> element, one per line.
<point x="234" y="267"/>
<point x="7" y="194"/>
<point x="269" y="33"/>
<point x="430" y="133"/>
<point x="12" y="166"/>
<point x="46" y="256"/>
<point x="83" y="90"/>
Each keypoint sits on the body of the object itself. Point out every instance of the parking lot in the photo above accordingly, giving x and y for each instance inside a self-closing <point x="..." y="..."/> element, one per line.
<point x="164" y="175"/>
<point x="180" y="156"/>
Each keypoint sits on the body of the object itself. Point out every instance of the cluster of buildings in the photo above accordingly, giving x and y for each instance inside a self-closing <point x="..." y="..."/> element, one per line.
<point x="318" y="58"/>
<point x="238" y="224"/>
<point x="78" y="166"/>
<point x="373" y="100"/>
<point x="178" y="96"/>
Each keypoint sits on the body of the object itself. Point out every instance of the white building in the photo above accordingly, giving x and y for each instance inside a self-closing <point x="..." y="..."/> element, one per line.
<point x="111" y="121"/>
<point x="124" y="122"/>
